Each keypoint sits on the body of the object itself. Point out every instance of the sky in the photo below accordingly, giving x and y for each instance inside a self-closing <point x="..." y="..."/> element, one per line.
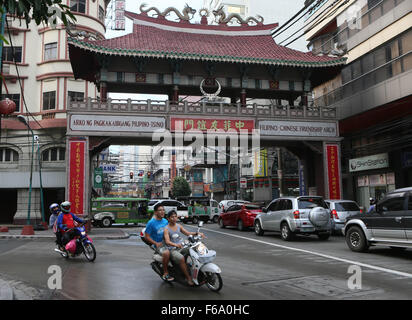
<point x="268" y="9"/>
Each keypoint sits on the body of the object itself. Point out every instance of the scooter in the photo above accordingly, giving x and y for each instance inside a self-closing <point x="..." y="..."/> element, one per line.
<point x="198" y="259"/>
<point x="81" y="243"/>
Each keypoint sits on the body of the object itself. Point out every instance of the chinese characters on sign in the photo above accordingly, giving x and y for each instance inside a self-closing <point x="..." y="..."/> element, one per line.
<point x="77" y="175"/>
<point x="201" y="124"/>
<point x="332" y="157"/>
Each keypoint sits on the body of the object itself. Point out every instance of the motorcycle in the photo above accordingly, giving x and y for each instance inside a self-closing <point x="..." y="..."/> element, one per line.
<point x="81" y="243"/>
<point x="198" y="259"/>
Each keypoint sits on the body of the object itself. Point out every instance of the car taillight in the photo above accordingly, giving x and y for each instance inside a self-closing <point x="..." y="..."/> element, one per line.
<point x="296" y="214"/>
<point x="248" y="213"/>
<point x="334" y="214"/>
<point x="361" y="211"/>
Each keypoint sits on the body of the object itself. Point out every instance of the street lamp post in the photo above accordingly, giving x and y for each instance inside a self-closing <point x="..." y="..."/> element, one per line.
<point x="28" y="228"/>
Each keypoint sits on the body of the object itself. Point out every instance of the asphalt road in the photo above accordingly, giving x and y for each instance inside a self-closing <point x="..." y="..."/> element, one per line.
<point x="252" y="268"/>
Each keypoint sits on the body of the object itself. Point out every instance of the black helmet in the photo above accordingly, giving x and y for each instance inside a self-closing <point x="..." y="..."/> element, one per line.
<point x="372" y="201"/>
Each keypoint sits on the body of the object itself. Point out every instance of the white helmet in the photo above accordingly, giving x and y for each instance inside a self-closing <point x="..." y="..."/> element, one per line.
<point x="65" y="206"/>
<point x="54" y="208"/>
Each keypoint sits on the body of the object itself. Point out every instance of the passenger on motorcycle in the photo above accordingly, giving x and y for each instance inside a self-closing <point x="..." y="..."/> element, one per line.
<point x="173" y="241"/>
<point x="154" y="234"/>
<point x="65" y="221"/>
<point x="54" y="213"/>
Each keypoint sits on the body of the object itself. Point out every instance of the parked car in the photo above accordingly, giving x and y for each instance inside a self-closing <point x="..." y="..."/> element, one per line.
<point x="240" y="215"/>
<point x="224" y="204"/>
<point x="390" y="224"/>
<point x="295" y="215"/>
<point x="341" y="210"/>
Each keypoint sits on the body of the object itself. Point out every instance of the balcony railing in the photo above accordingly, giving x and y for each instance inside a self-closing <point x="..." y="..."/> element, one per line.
<point x="386" y="71"/>
<point x="312" y="111"/>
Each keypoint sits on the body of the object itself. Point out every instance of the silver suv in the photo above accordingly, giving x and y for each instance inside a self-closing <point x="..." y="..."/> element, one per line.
<point x="295" y="215"/>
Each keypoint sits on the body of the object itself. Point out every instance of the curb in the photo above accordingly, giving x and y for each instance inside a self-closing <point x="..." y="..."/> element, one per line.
<point x="6" y="292"/>
<point x="97" y="237"/>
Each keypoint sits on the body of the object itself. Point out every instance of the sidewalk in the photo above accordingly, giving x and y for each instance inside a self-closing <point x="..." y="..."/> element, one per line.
<point x="96" y="233"/>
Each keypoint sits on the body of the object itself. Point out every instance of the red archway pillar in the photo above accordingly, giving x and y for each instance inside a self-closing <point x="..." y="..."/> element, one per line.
<point x="103" y="91"/>
<point x="243" y="97"/>
<point x="176" y="94"/>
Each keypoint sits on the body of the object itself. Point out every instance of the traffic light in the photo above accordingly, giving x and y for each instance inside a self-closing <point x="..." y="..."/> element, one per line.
<point x="131" y="175"/>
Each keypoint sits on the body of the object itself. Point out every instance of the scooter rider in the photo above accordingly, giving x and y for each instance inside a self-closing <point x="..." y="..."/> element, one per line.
<point x="154" y="235"/>
<point x="372" y="203"/>
<point x="173" y="241"/>
<point x="54" y="213"/>
<point x="65" y="221"/>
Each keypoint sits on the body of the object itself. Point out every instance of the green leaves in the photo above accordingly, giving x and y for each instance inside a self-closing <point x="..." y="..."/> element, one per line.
<point x="38" y="10"/>
<point x="181" y="187"/>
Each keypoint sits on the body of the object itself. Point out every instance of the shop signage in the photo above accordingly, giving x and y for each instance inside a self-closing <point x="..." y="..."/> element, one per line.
<point x="298" y="128"/>
<point x="103" y="123"/>
<point x="302" y="182"/>
<point x="261" y="163"/>
<point x="363" y="181"/>
<point x="77" y="168"/>
<point x="204" y="125"/>
<point x="333" y="173"/>
<point x="108" y="168"/>
<point x="243" y="183"/>
<point x="376" y="161"/>
<point x="377" y="180"/>
<point x="98" y="178"/>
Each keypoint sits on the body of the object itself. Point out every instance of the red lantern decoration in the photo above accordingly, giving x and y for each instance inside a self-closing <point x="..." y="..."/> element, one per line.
<point x="7" y="106"/>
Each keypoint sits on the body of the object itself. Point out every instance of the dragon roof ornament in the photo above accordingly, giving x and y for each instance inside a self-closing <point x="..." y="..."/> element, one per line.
<point x="188" y="13"/>
<point x="184" y="16"/>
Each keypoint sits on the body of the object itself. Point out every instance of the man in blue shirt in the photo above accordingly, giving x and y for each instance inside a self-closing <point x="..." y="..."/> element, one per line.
<point x="154" y="234"/>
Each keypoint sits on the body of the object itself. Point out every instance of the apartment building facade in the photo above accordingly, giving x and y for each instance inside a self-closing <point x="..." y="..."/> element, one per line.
<point x="39" y="78"/>
<point x="373" y="95"/>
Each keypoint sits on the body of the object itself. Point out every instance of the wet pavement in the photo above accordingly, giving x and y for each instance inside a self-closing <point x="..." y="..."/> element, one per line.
<point x="258" y="268"/>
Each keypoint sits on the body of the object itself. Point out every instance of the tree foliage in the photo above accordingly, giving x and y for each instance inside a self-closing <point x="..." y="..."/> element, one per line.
<point x="41" y="11"/>
<point x="180" y="187"/>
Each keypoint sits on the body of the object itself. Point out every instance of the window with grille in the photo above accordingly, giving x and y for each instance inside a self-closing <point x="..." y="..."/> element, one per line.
<point x="8" y="54"/>
<point x="50" y="51"/>
<point x="49" y="100"/>
<point x="75" y="96"/>
<point x="54" y="154"/>
<point x="8" y="155"/>
<point x="78" y="6"/>
<point x="15" y="97"/>
<point x="101" y="14"/>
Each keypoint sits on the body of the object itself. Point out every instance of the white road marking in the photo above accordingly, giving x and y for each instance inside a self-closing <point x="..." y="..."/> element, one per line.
<point x="395" y="272"/>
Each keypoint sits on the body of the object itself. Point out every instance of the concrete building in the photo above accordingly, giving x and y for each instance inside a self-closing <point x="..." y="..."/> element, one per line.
<point x="372" y="95"/>
<point x="41" y="82"/>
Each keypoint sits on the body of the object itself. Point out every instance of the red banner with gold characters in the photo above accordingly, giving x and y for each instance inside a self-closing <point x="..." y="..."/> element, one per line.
<point x="332" y="157"/>
<point x="77" y="149"/>
<point x="202" y="124"/>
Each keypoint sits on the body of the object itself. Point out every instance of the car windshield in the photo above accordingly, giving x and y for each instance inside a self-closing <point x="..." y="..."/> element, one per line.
<point x="346" y="206"/>
<point x="252" y="207"/>
<point x="309" y="203"/>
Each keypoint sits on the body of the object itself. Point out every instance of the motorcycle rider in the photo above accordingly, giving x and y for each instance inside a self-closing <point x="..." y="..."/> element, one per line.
<point x="173" y="241"/>
<point x="65" y="221"/>
<point x="372" y="203"/>
<point x="55" y="211"/>
<point x="154" y="235"/>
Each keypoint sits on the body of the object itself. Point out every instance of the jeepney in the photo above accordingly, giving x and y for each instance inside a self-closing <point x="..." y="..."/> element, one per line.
<point x="106" y="211"/>
<point x="201" y="208"/>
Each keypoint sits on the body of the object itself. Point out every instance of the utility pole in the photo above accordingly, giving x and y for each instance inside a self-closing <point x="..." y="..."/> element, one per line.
<point x="280" y="172"/>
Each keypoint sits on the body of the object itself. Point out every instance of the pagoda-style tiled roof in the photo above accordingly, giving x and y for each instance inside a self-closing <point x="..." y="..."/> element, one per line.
<point x="161" y="38"/>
